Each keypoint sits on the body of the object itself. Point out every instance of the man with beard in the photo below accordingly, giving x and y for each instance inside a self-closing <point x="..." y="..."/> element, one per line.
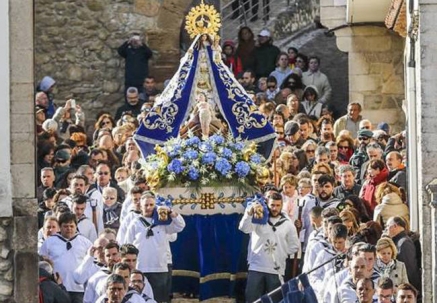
<point x="270" y="244"/>
<point x="360" y="155"/>
<point x="135" y="293"/>
<point x="326" y="192"/>
<point x="137" y="56"/>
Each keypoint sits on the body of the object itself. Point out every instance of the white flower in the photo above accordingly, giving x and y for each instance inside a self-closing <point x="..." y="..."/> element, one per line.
<point x="213" y="176"/>
<point x="204" y="181"/>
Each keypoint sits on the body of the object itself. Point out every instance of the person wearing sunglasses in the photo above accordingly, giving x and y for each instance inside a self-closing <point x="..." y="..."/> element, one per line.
<point x="104" y="179"/>
<point x="360" y="155"/>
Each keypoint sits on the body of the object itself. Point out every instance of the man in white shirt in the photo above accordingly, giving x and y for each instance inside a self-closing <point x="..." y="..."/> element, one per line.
<point x="84" y="225"/>
<point x="269" y="246"/>
<point x="152" y="242"/>
<point x="67" y="250"/>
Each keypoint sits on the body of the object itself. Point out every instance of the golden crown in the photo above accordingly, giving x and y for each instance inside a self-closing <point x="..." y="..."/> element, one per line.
<point x="202" y="19"/>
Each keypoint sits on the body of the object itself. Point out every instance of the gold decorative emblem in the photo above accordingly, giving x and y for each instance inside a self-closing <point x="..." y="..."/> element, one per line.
<point x="202" y="19"/>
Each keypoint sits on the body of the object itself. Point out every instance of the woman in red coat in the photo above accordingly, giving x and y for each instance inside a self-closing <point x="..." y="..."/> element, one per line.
<point x="376" y="174"/>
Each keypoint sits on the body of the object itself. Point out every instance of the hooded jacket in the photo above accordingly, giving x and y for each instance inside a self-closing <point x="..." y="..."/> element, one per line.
<point x="391" y="204"/>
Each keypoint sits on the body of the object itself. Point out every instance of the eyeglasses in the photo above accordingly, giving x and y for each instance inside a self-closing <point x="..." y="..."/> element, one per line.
<point x="271" y="86"/>
<point x="363" y="138"/>
<point x="109" y="198"/>
<point x="105" y="123"/>
<point x="365" y="127"/>
<point x="343" y="147"/>
<point x="61" y="160"/>
<point x="103" y="173"/>
<point x="310" y="151"/>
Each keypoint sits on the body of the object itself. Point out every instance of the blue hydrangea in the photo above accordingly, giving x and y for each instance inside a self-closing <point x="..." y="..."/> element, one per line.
<point x="227" y="153"/>
<point x="175" y="166"/>
<point x="193" y="174"/>
<point x="242" y="169"/>
<point x="217" y="139"/>
<point x="209" y="158"/>
<point x="194" y="141"/>
<point x="174" y="151"/>
<point x="256" y="159"/>
<point x="238" y="146"/>
<point x="223" y="166"/>
<point x="206" y="147"/>
<point x="191" y="154"/>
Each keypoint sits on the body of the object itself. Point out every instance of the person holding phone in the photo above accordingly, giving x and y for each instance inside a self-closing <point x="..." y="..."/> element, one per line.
<point x="137" y="55"/>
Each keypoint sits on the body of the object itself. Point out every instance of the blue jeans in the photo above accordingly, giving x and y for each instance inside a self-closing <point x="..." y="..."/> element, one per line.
<point x="259" y="284"/>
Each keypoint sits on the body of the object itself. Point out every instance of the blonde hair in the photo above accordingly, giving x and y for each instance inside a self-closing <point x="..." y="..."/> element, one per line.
<point x="384" y="189"/>
<point x="288" y="178"/>
<point x="318" y="166"/>
<point x="347" y="215"/>
<point x="109" y="191"/>
<point x="386" y="242"/>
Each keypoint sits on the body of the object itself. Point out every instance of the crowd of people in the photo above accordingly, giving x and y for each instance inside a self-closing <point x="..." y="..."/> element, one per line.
<point x="336" y="191"/>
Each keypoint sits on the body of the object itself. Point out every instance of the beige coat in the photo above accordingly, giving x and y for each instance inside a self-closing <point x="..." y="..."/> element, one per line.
<point x="391" y="205"/>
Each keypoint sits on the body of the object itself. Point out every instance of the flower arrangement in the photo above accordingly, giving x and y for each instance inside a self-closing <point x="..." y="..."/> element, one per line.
<point x="195" y="163"/>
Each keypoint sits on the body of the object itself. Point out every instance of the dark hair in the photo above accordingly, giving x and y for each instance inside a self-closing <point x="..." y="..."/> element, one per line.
<point x="399" y="221"/>
<point x="136" y="271"/>
<point x="114" y="278"/>
<point x="252" y="73"/>
<point x="304" y="59"/>
<point x="408" y="286"/>
<point x="240" y="38"/>
<point x="129" y="249"/>
<point x="301" y="157"/>
<point x="136" y="190"/>
<point x="79" y="199"/>
<point x="275" y="196"/>
<point x="294" y="49"/>
<point x="48" y="193"/>
<point x="121" y="266"/>
<point x="314" y="57"/>
<point x="297" y="82"/>
<point x="338" y="230"/>
<point x="310" y="90"/>
<point x="334" y="219"/>
<point x="96" y="151"/>
<point x="112" y="245"/>
<point x="325" y="178"/>
<point x="67" y="217"/>
<point x="82" y="177"/>
<point x="272" y="79"/>
<point x="385" y="283"/>
<point x="316" y="211"/>
<point x="329" y="212"/>
<point x="377" y="164"/>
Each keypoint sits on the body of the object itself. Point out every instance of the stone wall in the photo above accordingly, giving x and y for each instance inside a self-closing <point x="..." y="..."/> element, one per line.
<point x="76" y="43"/>
<point x="298" y="16"/>
<point x="425" y="90"/>
<point x="376" y="72"/>
<point x="376" y="67"/>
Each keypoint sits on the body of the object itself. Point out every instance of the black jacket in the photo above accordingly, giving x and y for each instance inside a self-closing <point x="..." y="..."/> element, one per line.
<point x="137" y="63"/>
<point x="50" y="292"/>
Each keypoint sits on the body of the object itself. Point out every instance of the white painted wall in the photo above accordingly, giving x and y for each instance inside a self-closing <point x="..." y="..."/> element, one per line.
<point x="5" y="148"/>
